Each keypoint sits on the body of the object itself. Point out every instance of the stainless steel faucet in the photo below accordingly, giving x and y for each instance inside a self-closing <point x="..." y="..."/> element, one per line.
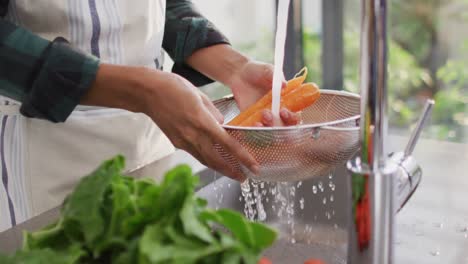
<point x="381" y="183"/>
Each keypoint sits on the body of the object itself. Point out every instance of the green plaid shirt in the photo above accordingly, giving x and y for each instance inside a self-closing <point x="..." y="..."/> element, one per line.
<point x="50" y="78"/>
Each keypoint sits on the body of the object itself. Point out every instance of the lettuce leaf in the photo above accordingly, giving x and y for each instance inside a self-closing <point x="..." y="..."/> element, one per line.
<point x="112" y="218"/>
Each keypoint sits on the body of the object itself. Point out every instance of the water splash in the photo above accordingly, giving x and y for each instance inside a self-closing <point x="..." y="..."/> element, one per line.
<point x="261" y="214"/>
<point x="248" y="200"/>
<point x="320" y="185"/>
<point x="253" y="206"/>
<point x="314" y="189"/>
<point x="332" y="186"/>
<point x="299" y="184"/>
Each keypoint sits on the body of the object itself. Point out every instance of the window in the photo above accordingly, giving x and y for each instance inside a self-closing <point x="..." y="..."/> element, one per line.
<point x="428" y="58"/>
<point x="428" y="53"/>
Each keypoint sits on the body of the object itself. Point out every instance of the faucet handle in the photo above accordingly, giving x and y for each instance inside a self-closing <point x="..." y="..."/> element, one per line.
<point x="409" y="172"/>
<point x="419" y="127"/>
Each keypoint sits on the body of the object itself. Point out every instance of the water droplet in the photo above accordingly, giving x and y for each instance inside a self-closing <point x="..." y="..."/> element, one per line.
<point x="301" y="202"/>
<point x="293" y="240"/>
<point x="330" y="176"/>
<point x="299" y="184"/>
<point x="332" y="198"/>
<point x="320" y="185"/>
<point x="245" y="186"/>
<point x="262" y="215"/>
<point x="324" y="200"/>
<point x="314" y="189"/>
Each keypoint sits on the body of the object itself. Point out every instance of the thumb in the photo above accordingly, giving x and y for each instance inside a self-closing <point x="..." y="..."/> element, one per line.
<point x="269" y="75"/>
<point x="212" y="109"/>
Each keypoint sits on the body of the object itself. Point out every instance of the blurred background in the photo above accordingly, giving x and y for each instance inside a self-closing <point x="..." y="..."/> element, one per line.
<point x="428" y="52"/>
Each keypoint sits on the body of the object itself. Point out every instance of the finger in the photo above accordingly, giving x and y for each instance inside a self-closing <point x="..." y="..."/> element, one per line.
<point x="258" y="124"/>
<point x="289" y="118"/>
<point x="212" y="109"/>
<point x="220" y="136"/>
<point x="267" y="118"/>
<point x="212" y="159"/>
<point x="268" y="74"/>
<point x="195" y="154"/>
<point x="217" y="162"/>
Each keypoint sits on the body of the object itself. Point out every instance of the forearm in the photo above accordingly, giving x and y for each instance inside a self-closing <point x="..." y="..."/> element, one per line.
<point x="135" y="89"/>
<point x="218" y="62"/>
<point x="116" y="87"/>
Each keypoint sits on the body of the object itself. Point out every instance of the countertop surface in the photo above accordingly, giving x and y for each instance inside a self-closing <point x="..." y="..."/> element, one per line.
<point x="432" y="228"/>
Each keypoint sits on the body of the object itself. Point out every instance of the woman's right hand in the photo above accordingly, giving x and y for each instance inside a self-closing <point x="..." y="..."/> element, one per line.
<point x="184" y="114"/>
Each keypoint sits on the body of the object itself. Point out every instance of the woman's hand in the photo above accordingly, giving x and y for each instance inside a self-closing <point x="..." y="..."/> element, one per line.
<point x="248" y="80"/>
<point x="185" y="115"/>
<point x="252" y="81"/>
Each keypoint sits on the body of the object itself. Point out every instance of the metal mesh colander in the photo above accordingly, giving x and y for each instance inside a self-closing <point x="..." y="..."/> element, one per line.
<point x="328" y="136"/>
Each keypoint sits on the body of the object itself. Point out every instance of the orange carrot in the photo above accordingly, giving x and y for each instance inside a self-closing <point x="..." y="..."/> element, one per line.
<point x="295" y="101"/>
<point x="300" y="98"/>
<point x="266" y="99"/>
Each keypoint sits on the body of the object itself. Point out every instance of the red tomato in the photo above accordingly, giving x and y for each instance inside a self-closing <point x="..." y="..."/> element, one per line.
<point x="313" y="261"/>
<point x="264" y="261"/>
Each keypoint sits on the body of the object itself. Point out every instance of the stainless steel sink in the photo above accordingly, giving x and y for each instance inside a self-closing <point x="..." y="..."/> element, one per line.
<point x="318" y="227"/>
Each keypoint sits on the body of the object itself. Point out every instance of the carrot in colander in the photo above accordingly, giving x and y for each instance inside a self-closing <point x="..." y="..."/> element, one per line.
<point x="295" y="100"/>
<point x="265" y="101"/>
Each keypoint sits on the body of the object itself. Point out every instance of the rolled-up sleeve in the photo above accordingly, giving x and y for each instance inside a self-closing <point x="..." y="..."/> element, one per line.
<point x="48" y="78"/>
<point x="187" y="31"/>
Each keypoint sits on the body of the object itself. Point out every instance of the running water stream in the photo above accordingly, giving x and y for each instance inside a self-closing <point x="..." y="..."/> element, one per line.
<point x="280" y="42"/>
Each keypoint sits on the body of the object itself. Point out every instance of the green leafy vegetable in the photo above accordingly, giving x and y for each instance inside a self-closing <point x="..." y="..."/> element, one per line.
<point x="111" y="218"/>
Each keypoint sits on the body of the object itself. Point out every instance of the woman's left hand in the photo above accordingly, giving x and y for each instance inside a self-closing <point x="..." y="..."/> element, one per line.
<point x="250" y="82"/>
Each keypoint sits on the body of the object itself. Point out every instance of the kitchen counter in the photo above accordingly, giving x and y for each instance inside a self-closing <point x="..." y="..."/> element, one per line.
<point x="432" y="228"/>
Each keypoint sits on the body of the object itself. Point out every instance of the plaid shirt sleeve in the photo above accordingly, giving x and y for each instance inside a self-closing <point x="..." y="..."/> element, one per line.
<point x="186" y="31"/>
<point x="48" y="78"/>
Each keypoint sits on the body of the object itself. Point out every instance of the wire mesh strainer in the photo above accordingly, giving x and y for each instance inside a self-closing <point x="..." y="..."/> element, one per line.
<point x="328" y="136"/>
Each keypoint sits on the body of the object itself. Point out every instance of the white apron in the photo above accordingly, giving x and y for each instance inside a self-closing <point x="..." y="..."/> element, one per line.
<point x="41" y="161"/>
